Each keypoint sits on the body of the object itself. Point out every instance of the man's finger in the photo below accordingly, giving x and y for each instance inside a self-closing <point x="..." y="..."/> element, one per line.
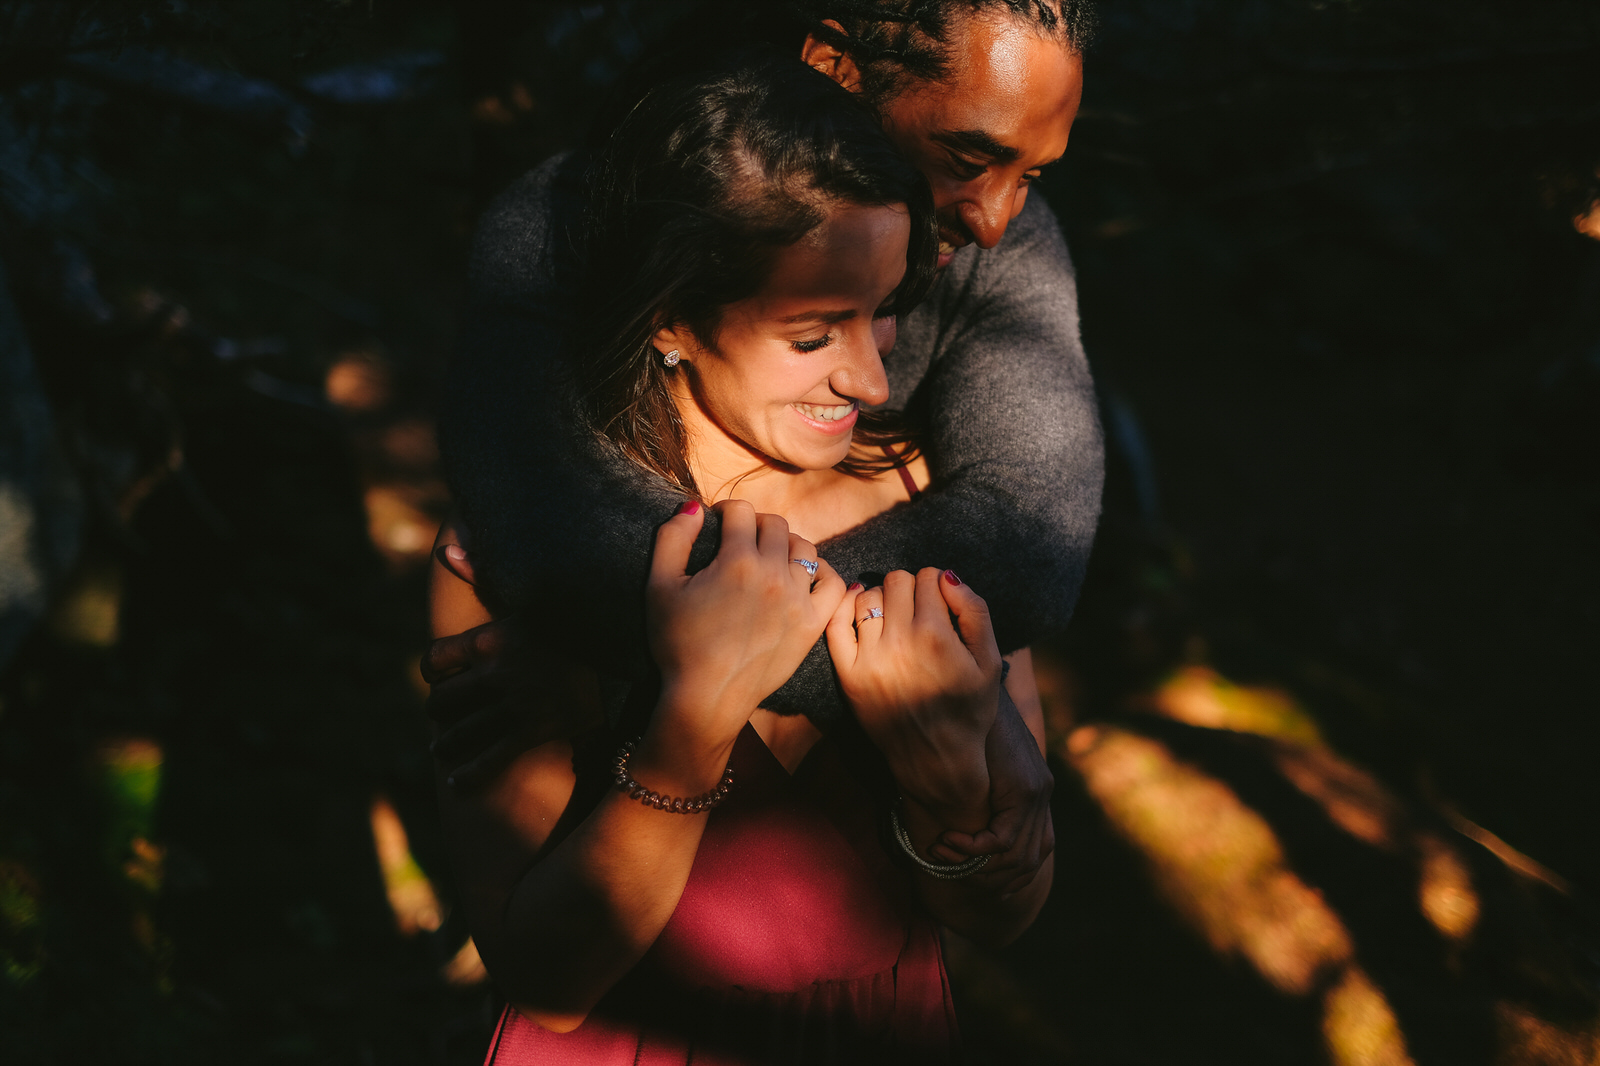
<point x="983" y="842"/>
<point x="470" y="776"/>
<point x="475" y="731"/>
<point x="451" y="655"/>
<point x="454" y="558"/>
<point x="458" y="696"/>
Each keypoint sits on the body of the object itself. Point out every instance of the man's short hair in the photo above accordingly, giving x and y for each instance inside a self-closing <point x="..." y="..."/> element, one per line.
<point x="894" y="42"/>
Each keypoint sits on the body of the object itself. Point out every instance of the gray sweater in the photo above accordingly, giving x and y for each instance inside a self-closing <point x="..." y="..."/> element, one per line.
<point x="561" y="525"/>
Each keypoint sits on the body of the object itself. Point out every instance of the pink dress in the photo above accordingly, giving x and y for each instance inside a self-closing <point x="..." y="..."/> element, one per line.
<point x="796" y="941"/>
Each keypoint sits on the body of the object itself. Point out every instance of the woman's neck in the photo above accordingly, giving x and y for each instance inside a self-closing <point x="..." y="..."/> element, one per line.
<point x="724" y="469"/>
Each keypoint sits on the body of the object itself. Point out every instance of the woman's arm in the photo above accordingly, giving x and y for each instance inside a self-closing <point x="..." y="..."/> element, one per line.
<point x="560" y="918"/>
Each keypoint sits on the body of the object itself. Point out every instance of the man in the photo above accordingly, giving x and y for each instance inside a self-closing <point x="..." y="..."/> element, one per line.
<point x="980" y="95"/>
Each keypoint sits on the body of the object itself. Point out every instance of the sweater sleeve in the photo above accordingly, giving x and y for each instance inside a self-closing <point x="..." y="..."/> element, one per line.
<point x="561" y="525"/>
<point x="994" y="367"/>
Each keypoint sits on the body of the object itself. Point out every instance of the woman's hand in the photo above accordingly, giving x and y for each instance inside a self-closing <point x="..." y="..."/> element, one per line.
<point x="925" y="690"/>
<point x="726" y="637"/>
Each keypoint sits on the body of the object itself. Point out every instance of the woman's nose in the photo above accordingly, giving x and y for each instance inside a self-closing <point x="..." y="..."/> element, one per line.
<point x="860" y="374"/>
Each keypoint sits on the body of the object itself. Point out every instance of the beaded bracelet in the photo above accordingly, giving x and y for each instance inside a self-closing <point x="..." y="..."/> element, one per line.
<point x="650" y="798"/>
<point x="951" y="872"/>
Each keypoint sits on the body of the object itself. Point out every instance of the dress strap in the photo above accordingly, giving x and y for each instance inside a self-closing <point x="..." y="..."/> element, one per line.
<point x="912" y="492"/>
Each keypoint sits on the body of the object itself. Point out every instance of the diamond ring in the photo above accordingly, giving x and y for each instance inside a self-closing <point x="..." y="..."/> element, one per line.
<point x="810" y="565"/>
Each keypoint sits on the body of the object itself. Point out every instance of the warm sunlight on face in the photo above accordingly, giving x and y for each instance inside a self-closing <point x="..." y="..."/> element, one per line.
<point x="793" y="364"/>
<point x="982" y="133"/>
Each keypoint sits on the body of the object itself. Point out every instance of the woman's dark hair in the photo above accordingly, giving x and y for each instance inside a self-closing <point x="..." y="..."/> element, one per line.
<point x="690" y="199"/>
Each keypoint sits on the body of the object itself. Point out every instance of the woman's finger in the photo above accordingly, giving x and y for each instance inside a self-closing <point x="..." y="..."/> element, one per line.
<point x="827" y="590"/>
<point x="972" y="620"/>
<point x="932" y="611"/>
<point x="772" y="535"/>
<point x="739" y="529"/>
<point x="803" y="558"/>
<point x="841" y="630"/>
<point x="868" y="617"/>
<point x="670" y="560"/>
<point x="899" y="601"/>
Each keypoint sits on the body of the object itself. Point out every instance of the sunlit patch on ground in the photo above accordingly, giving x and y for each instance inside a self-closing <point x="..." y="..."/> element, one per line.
<point x="411" y="896"/>
<point x="1220" y="864"/>
<point x="400" y="529"/>
<point x="1588" y="222"/>
<point x="88" y="612"/>
<point x="1216" y="860"/>
<point x="1200" y="696"/>
<point x="128" y="772"/>
<point x="1224" y="866"/>
<point x="21" y="900"/>
<point x="359" y="381"/>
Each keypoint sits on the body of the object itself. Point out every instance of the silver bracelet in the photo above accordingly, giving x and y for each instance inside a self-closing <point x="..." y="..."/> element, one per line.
<point x="950" y="872"/>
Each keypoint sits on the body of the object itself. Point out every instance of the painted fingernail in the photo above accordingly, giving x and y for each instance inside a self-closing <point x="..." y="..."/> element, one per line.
<point x="854" y="586"/>
<point x="689" y="507"/>
<point x="950" y="576"/>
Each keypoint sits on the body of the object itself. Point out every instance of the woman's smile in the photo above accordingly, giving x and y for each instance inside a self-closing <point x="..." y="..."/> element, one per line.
<point x="828" y="418"/>
<point x="815" y="328"/>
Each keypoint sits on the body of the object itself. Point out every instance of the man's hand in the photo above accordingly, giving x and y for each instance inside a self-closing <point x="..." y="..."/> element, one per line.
<point x="496" y="694"/>
<point x="1020" y="834"/>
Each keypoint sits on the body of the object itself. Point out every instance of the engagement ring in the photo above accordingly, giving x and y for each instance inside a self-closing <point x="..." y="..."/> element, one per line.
<point x="809" y="564"/>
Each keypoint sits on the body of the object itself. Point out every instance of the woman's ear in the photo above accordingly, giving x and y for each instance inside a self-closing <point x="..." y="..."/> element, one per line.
<point x="836" y="64"/>
<point x="671" y="344"/>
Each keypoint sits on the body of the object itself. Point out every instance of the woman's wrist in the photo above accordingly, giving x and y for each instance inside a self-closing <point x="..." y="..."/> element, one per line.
<point x="677" y="754"/>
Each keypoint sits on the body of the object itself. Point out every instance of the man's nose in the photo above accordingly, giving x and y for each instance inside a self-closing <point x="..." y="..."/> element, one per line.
<point x="987" y="215"/>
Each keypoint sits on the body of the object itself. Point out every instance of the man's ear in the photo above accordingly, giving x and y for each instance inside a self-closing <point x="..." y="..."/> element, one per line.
<point x="820" y="55"/>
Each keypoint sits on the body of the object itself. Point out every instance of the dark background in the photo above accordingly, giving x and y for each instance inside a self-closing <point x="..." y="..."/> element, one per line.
<point x="1348" y="339"/>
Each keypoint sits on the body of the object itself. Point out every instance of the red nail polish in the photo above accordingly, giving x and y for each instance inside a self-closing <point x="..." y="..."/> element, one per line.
<point x="689" y="507"/>
<point x="950" y="576"/>
<point x="854" y="586"/>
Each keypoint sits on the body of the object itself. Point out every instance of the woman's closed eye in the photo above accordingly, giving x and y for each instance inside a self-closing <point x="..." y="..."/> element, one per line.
<point x="815" y="345"/>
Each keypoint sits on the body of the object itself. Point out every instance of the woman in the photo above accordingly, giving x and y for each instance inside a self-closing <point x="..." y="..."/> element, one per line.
<point x="752" y="235"/>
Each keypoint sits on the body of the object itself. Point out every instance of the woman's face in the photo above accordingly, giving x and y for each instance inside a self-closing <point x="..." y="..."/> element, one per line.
<point x="794" y="363"/>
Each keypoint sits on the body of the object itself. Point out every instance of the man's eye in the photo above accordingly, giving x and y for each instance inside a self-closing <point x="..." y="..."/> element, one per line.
<point x="812" y="346"/>
<point x="1033" y="177"/>
<point x="966" y="169"/>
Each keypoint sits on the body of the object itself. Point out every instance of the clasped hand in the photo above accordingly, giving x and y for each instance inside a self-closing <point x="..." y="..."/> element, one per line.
<point x="918" y="663"/>
<point x="726" y="637"/>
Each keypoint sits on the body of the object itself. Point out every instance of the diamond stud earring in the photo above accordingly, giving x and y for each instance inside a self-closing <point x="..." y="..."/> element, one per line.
<point x="670" y="359"/>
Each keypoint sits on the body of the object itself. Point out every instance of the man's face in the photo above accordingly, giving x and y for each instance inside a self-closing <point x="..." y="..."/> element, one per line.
<point x="982" y="133"/>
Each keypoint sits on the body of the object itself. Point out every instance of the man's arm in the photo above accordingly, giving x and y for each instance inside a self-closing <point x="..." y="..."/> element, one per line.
<point x="1014" y="443"/>
<point x="994" y="366"/>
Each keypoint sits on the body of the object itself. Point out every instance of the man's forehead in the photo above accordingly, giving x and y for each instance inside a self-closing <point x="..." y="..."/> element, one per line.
<point x="1009" y="91"/>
